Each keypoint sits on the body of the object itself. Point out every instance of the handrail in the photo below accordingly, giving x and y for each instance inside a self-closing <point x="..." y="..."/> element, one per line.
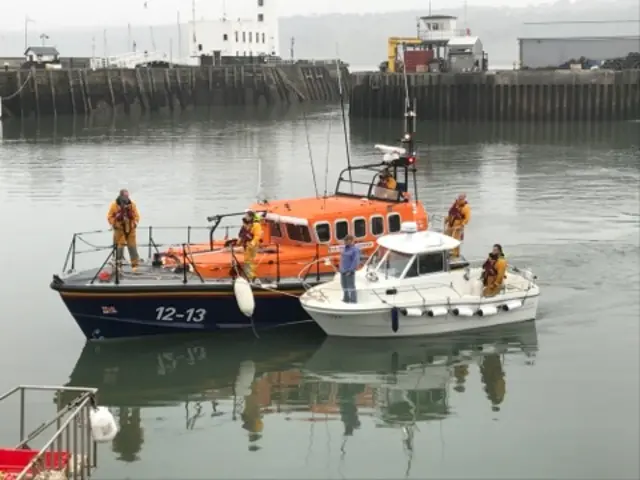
<point x="183" y="255"/>
<point x="70" y="450"/>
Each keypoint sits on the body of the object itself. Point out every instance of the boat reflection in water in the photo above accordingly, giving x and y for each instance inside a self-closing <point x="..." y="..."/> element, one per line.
<point x="297" y="376"/>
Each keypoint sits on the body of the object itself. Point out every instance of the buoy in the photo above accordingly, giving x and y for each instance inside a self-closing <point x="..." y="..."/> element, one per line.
<point x="411" y="312"/>
<point x="103" y="425"/>
<point x="437" y="311"/>
<point x="104" y="276"/>
<point x="512" y="305"/>
<point x="244" y="380"/>
<point x="244" y="296"/>
<point x="487" y="310"/>
<point x="462" y="312"/>
<point x="394" y="319"/>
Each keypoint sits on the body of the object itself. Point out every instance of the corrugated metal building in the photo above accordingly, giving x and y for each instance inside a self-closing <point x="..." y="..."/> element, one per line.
<point x="551" y="52"/>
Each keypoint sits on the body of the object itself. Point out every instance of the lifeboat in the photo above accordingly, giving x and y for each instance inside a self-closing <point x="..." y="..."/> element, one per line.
<point x="189" y="286"/>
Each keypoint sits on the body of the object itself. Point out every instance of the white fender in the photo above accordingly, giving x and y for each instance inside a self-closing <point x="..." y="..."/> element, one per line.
<point x="462" y="312"/>
<point x="512" y="305"/>
<point x="411" y="312"/>
<point x="103" y="425"/>
<point x="487" y="310"/>
<point x="244" y="296"/>
<point x="245" y="378"/>
<point x="437" y="311"/>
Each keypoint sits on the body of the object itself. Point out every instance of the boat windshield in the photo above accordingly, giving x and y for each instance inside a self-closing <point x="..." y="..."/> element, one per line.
<point x="392" y="264"/>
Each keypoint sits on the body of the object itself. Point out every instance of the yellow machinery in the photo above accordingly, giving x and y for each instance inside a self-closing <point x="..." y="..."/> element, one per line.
<point x="392" y="49"/>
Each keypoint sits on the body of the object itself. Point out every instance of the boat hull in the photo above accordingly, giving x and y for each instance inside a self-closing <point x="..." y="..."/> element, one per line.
<point x="114" y="312"/>
<point x="379" y="323"/>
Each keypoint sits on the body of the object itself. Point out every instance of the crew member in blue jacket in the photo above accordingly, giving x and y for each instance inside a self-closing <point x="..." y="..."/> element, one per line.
<point x="349" y="261"/>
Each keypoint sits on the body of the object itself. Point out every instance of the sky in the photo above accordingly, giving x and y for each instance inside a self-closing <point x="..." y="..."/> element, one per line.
<point x="68" y="13"/>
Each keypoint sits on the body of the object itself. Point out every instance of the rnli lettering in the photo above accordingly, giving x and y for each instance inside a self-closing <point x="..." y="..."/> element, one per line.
<point x="170" y="314"/>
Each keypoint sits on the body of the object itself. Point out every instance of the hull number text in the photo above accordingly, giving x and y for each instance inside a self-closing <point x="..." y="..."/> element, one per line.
<point x="170" y="314"/>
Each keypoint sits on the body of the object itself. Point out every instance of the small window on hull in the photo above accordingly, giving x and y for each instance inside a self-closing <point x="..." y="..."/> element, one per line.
<point x="298" y="233"/>
<point x="394" y="222"/>
<point x="323" y="232"/>
<point x="359" y="228"/>
<point x="342" y="229"/>
<point x="377" y="226"/>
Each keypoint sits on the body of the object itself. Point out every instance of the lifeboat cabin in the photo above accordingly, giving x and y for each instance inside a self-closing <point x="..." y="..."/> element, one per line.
<point x="302" y="238"/>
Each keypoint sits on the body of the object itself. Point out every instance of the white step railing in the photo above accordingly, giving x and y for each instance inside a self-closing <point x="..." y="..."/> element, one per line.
<point x="128" y="60"/>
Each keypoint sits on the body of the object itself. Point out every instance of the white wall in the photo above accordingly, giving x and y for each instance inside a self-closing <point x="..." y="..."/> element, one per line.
<point x="248" y="27"/>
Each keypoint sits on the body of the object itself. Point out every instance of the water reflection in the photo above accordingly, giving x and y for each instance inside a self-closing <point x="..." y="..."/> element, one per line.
<point x="394" y="384"/>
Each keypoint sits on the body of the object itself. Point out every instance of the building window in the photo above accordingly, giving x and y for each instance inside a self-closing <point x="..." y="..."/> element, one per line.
<point x="394" y="222"/>
<point x="263" y="38"/>
<point x="250" y="37"/>
<point x="359" y="228"/>
<point x="237" y="37"/>
<point x="323" y="232"/>
<point x="377" y="225"/>
<point x="342" y="229"/>
<point x="237" y="53"/>
<point x="225" y="37"/>
<point x="261" y="17"/>
<point x="261" y="3"/>
<point x="244" y="37"/>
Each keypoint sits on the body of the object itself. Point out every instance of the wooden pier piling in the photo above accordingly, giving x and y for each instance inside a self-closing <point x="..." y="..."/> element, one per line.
<point x="149" y="89"/>
<point x="591" y="95"/>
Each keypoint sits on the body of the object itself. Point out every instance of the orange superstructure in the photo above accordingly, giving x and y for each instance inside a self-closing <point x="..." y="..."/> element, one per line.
<point x="303" y="237"/>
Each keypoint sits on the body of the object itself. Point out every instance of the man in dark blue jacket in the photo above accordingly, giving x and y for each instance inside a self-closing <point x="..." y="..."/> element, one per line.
<point x="349" y="261"/>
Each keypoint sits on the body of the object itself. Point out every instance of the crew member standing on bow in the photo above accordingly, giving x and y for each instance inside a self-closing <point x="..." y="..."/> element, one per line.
<point x="493" y="272"/>
<point x="458" y="217"/>
<point x="123" y="217"/>
<point x="251" y="236"/>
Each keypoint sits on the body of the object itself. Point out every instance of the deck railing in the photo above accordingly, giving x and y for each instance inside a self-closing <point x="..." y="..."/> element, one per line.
<point x="70" y="450"/>
<point x="183" y="252"/>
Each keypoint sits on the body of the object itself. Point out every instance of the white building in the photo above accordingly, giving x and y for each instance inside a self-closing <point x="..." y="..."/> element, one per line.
<point x="246" y="28"/>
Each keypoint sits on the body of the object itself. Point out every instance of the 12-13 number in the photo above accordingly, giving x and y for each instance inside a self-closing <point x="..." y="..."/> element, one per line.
<point x="169" y="314"/>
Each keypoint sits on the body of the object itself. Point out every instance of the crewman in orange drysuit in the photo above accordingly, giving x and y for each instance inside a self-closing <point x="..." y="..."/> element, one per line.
<point x="458" y="217"/>
<point x="386" y="187"/>
<point x="492" y="376"/>
<point x="493" y="272"/>
<point x="123" y="217"/>
<point x="250" y="238"/>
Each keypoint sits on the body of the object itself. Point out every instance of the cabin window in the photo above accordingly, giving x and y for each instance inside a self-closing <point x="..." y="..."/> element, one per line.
<point x="393" y="264"/>
<point x="430" y="263"/>
<point x="342" y="229"/>
<point x="225" y="37"/>
<point x="274" y="229"/>
<point x="261" y="19"/>
<point x="298" y="233"/>
<point x="323" y="232"/>
<point x="394" y="222"/>
<point x="377" y="226"/>
<point x="359" y="228"/>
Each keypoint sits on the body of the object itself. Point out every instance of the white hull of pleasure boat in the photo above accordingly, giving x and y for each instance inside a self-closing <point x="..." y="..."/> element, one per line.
<point x="439" y="309"/>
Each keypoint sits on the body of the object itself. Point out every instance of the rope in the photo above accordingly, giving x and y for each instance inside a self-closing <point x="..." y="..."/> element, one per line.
<point x="17" y="92"/>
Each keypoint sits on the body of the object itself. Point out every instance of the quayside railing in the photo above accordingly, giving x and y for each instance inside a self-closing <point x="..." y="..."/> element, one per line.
<point x="68" y="453"/>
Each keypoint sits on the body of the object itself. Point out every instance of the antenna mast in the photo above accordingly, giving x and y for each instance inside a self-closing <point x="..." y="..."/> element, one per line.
<point x="344" y="120"/>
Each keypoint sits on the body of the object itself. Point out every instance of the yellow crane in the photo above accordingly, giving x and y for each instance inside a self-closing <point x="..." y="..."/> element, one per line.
<point x="392" y="49"/>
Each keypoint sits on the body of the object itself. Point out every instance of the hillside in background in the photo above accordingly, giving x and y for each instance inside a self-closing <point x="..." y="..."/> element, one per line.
<point x="361" y="39"/>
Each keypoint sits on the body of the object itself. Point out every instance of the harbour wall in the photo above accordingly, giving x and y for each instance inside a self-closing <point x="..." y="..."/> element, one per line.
<point x="73" y="91"/>
<point x="560" y="95"/>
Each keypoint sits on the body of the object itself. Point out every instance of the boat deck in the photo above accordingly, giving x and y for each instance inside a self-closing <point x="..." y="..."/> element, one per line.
<point x="148" y="275"/>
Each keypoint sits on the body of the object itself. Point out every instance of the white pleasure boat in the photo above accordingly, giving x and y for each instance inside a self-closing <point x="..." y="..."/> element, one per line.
<point x="412" y="286"/>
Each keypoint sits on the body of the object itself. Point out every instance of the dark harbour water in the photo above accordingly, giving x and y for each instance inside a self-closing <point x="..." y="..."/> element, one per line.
<point x="558" y="399"/>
